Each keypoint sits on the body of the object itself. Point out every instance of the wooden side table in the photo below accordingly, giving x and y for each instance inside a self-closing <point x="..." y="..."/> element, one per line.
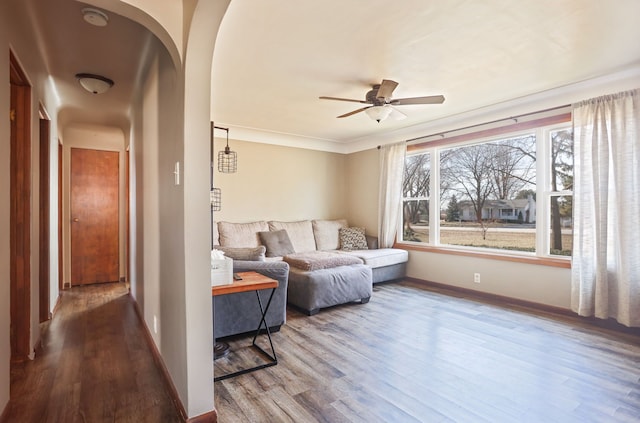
<point x="252" y="281"/>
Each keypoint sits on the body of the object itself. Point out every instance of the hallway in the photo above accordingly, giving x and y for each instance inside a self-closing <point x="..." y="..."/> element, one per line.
<point x="93" y="365"/>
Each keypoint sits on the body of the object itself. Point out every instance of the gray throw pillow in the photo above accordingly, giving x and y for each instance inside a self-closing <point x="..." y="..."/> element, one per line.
<point x="277" y="242"/>
<point x="353" y="239"/>
<point x="247" y="254"/>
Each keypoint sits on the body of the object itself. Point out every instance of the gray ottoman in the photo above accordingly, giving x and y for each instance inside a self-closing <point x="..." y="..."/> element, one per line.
<point x="316" y="289"/>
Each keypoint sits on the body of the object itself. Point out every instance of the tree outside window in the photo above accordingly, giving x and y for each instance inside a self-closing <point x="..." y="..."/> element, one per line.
<point x="490" y="195"/>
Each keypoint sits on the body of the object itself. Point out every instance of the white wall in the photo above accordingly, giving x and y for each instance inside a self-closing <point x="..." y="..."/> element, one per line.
<point x="281" y="183"/>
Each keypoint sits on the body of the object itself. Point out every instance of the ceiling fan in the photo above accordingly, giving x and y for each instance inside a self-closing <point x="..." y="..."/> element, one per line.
<point x="380" y="102"/>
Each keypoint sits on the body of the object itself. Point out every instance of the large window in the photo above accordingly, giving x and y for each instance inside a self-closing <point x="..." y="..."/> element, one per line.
<point x="509" y="193"/>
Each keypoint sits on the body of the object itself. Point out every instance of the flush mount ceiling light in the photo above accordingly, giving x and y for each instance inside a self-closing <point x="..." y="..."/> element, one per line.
<point x="94" y="16"/>
<point x="379" y="113"/>
<point x="95" y="84"/>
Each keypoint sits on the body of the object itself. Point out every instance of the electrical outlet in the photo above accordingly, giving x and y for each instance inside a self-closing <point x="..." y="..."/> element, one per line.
<point x="476" y="277"/>
<point x="155" y="324"/>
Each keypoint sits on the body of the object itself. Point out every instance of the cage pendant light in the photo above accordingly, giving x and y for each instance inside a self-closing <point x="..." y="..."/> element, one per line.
<point x="227" y="159"/>
<point x="215" y="194"/>
<point x="216" y="199"/>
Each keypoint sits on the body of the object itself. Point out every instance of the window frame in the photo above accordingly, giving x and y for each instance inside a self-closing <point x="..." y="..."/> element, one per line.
<point x="542" y="129"/>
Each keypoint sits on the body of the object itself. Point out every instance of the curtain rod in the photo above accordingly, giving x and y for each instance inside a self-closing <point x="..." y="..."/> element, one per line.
<point x="487" y="123"/>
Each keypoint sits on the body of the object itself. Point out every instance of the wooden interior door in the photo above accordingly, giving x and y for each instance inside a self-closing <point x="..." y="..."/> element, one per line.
<point x="94" y="216"/>
<point x="20" y="215"/>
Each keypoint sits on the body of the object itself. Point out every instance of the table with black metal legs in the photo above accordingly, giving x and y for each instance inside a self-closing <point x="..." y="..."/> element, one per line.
<point x="252" y="281"/>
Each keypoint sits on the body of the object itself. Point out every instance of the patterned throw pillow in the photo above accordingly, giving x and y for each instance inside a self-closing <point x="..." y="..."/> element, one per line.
<point x="353" y="239"/>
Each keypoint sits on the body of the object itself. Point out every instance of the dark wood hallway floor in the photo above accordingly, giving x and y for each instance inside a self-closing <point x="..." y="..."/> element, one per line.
<point x="93" y="366"/>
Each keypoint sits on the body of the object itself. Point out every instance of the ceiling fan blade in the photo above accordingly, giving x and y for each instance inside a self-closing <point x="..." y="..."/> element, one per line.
<point x="431" y="99"/>
<point x="396" y="114"/>
<point x="354" y="112"/>
<point x="342" y="99"/>
<point x="386" y="89"/>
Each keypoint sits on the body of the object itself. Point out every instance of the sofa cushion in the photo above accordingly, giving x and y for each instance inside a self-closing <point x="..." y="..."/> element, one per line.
<point x="326" y="233"/>
<point x="241" y="235"/>
<point x="248" y="254"/>
<point x="277" y="243"/>
<point x="300" y="233"/>
<point x="352" y="239"/>
<point x="316" y="260"/>
<point x="380" y="257"/>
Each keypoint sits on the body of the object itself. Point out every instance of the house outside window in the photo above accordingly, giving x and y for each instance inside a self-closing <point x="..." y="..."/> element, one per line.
<point x="510" y="193"/>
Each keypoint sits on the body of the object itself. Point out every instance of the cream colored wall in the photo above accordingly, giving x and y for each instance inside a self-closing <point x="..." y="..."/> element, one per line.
<point x="170" y="250"/>
<point x="196" y="241"/>
<point x="363" y="173"/>
<point x="281" y="183"/>
<point x="17" y="35"/>
<point x="150" y="304"/>
<point x="535" y="283"/>
<point x="539" y="284"/>
<point x="96" y="138"/>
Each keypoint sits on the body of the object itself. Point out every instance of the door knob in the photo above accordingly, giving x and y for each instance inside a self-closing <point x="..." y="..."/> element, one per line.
<point x="76" y="220"/>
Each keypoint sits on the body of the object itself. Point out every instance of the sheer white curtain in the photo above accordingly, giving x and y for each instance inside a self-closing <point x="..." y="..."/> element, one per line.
<point x="390" y="192"/>
<point x="605" y="272"/>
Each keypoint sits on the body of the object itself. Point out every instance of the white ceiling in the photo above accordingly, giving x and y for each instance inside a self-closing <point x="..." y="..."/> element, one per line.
<point x="273" y="59"/>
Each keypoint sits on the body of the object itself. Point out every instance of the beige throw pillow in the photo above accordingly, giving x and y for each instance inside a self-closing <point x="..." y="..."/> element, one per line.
<point x="300" y="233"/>
<point x="326" y="233"/>
<point x="241" y="235"/>
<point x="247" y="254"/>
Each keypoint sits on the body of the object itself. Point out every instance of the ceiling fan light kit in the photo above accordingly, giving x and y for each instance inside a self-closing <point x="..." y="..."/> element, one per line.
<point x="381" y="104"/>
<point x="95" y="84"/>
<point x="379" y="113"/>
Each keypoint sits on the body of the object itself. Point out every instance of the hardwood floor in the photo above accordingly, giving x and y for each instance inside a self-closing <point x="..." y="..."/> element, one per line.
<point x="416" y="355"/>
<point x="94" y="365"/>
<point x="409" y="355"/>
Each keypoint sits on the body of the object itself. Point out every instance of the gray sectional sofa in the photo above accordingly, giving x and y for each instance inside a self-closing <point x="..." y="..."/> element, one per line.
<point x="320" y="271"/>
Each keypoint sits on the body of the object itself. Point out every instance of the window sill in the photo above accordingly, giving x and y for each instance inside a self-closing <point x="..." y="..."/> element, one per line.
<point x="542" y="261"/>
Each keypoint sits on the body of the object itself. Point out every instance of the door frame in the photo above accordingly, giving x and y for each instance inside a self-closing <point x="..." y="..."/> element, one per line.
<point x="44" y="227"/>
<point x="60" y="237"/>
<point x="20" y="220"/>
<point x="127" y="248"/>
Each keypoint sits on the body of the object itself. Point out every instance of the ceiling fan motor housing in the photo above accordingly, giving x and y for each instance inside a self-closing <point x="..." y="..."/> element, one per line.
<point x="372" y="96"/>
